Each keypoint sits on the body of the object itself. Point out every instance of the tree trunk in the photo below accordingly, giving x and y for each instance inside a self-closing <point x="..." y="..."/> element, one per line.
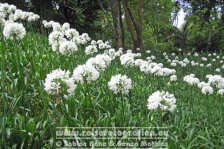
<point x="118" y="29"/>
<point x="135" y="28"/>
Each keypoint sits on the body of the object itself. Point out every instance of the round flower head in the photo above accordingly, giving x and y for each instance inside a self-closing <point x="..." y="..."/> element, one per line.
<point x="18" y="14"/>
<point x="85" y="74"/>
<point x="59" y="81"/>
<point x="120" y="84"/>
<point x="71" y="34"/>
<point x="86" y="37"/>
<point x="55" y="38"/>
<point x="57" y="27"/>
<point x="14" y="31"/>
<point x="173" y="78"/>
<point x="208" y="90"/>
<point x="67" y="47"/>
<point x="162" y="100"/>
<point x="100" y="62"/>
<point x="102" y="46"/>
<point x="66" y="26"/>
<point x="90" y="50"/>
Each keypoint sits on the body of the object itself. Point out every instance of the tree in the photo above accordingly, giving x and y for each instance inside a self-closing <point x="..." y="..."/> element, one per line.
<point x="43" y="8"/>
<point x="117" y="20"/>
<point x="204" y="27"/>
<point x="135" y="26"/>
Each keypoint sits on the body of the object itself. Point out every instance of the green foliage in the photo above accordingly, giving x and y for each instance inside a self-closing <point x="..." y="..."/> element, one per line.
<point x="204" y="27"/>
<point x="29" y="116"/>
<point x="158" y="27"/>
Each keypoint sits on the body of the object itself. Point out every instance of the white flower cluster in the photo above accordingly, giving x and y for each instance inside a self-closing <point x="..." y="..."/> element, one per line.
<point x="202" y="61"/>
<point x="9" y="14"/>
<point x="100" y="62"/>
<point x="91" y="49"/>
<point x="102" y="45"/>
<point x="120" y="84"/>
<point x="218" y="82"/>
<point x="58" y="81"/>
<point x="156" y="69"/>
<point x="66" y="40"/>
<point x="173" y="78"/>
<point x="162" y="100"/>
<point x="67" y="47"/>
<point x="207" y="88"/>
<point x="85" y="74"/>
<point x="14" y="31"/>
<point x="128" y="59"/>
<point x="191" y="79"/>
<point x="113" y="53"/>
<point x="148" y="67"/>
<point x="27" y="16"/>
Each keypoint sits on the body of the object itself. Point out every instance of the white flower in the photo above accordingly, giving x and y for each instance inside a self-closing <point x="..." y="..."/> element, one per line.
<point x="209" y="65"/>
<point x="139" y="62"/>
<point x="102" y="46"/>
<point x="85" y="74"/>
<point x="202" y="84"/>
<point x="99" y="41"/>
<point x="100" y="62"/>
<point x="57" y="27"/>
<point x="66" y="26"/>
<point x="201" y="65"/>
<point x="182" y="64"/>
<point x="204" y="59"/>
<point x="71" y="34"/>
<point x="67" y="47"/>
<point x="217" y="70"/>
<point x="120" y="84"/>
<point x="55" y="38"/>
<point x="173" y="64"/>
<point x="221" y="92"/>
<point x="207" y="90"/>
<point x="148" y="51"/>
<point x="173" y="78"/>
<point x="14" y="31"/>
<point x="93" y="43"/>
<point x="127" y="59"/>
<point x="90" y="50"/>
<point x="86" y="37"/>
<point x="112" y="53"/>
<point x="162" y="100"/>
<point x="59" y="80"/>
<point x="191" y="79"/>
<point x="33" y="17"/>
<point x="196" y="54"/>
<point x="216" y="80"/>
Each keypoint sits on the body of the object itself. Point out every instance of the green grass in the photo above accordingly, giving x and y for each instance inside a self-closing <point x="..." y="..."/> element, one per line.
<point x="29" y="116"/>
